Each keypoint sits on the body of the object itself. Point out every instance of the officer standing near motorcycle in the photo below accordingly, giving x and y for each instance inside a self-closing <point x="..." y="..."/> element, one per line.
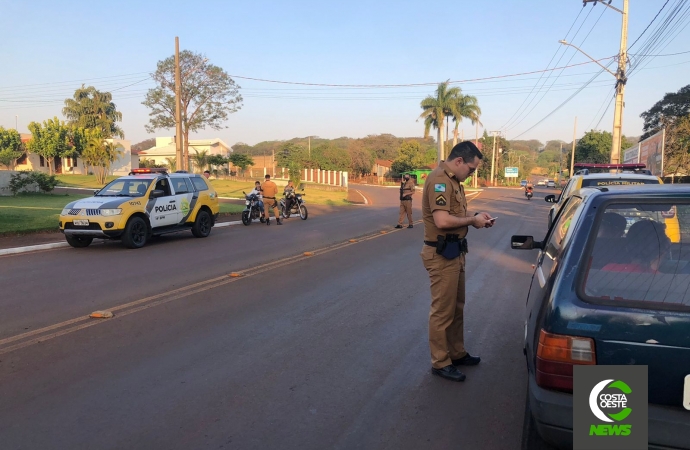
<point x="446" y="223"/>
<point x="406" y="193"/>
<point x="270" y="190"/>
<point x="289" y="193"/>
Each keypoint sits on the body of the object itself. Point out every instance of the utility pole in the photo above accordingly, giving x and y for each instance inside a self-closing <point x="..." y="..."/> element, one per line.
<point x="16" y="120"/>
<point x="560" y="163"/>
<point x="621" y="79"/>
<point x="309" y="147"/>
<point x="178" y="109"/>
<point x="493" y="158"/>
<point x="476" y="142"/>
<point x="572" y="155"/>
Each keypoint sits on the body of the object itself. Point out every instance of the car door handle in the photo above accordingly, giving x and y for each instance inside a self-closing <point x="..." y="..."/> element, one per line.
<point x="171" y="201"/>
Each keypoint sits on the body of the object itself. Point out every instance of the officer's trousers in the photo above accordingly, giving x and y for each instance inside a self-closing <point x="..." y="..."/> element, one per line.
<point x="271" y="203"/>
<point x="446" y="332"/>
<point x="405" y="208"/>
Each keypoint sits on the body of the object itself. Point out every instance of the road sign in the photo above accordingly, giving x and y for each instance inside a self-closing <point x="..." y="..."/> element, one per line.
<point x="511" y="172"/>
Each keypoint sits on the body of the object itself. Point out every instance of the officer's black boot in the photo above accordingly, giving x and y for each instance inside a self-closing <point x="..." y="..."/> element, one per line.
<point x="279" y="221"/>
<point x="268" y="221"/>
<point x="449" y="373"/>
<point x="467" y="360"/>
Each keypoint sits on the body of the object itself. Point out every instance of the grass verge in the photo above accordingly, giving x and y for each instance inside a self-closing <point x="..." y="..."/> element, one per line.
<point x="29" y="213"/>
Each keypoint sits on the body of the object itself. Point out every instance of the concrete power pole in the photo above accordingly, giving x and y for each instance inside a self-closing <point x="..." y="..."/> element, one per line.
<point x="178" y="109"/>
<point x="621" y="79"/>
<point x="493" y="158"/>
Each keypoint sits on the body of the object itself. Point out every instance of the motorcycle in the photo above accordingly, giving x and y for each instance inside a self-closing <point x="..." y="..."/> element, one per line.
<point x="297" y="207"/>
<point x="252" y="210"/>
<point x="529" y="194"/>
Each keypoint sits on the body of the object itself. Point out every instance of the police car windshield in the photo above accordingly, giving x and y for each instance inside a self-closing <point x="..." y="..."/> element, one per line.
<point x="124" y="187"/>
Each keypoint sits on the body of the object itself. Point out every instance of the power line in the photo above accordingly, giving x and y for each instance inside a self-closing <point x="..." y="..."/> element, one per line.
<point x="649" y="25"/>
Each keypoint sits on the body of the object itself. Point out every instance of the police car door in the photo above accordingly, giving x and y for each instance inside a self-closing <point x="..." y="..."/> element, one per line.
<point x="185" y="196"/>
<point x="166" y="210"/>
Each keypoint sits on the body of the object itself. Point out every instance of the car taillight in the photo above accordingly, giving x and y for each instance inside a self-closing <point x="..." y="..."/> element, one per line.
<point x="556" y="356"/>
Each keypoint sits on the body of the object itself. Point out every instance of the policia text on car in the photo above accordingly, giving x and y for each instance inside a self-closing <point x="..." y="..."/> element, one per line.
<point x="446" y="223"/>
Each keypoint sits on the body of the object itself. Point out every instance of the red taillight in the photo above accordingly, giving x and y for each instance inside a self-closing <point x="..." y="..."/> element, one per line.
<point x="556" y="356"/>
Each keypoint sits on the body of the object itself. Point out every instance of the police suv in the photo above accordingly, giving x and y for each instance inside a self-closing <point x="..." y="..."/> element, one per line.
<point x="147" y="202"/>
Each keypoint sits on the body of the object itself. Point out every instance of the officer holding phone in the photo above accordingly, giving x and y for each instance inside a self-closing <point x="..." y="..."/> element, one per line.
<point x="446" y="223"/>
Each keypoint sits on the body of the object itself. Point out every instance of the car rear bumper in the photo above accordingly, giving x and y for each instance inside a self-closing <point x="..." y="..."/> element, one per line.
<point x="669" y="427"/>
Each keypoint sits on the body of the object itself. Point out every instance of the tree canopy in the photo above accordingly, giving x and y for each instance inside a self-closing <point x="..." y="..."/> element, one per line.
<point x="11" y="147"/>
<point x="208" y="95"/>
<point x="595" y="147"/>
<point x="91" y="108"/>
<point x="666" y="111"/>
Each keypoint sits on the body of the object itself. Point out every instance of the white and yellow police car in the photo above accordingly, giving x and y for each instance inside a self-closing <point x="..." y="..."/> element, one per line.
<point x="147" y="202"/>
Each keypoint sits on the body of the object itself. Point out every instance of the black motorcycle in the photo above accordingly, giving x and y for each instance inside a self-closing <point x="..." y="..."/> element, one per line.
<point x="252" y="210"/>
<point x="297" y="207"/>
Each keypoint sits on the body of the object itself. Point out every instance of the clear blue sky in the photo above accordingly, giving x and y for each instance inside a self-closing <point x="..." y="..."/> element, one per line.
<point x="56" y="46"/>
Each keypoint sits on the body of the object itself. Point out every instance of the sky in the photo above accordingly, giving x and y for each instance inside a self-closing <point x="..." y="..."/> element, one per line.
<point x="50" y="48"/>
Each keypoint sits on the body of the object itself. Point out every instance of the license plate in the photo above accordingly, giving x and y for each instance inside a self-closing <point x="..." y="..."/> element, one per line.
<point x="686" y="393"/>
<point x="81" y="223"/>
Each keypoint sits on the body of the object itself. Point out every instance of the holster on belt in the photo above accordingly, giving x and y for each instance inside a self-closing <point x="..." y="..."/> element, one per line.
<point x="451" y="246"/>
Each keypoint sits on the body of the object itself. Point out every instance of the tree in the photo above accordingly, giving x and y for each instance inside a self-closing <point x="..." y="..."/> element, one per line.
<point x="100" y="154"/>
<point x="217" y="160"/>
<point x="292" y="157"/>
<point x="208" y="96"/>
<point x="409" y="158"/>
<point x="674" y="105"/>
<point x="11" y="147"/>
<point x="595" y="147"/>
<point x="465" y="107"/>
<point x="435" y="111"/>
<point x="243" y="161"/>
<point x="330" y="157"/>
<point x="172" y="163"/>
<point x="50" y="140"/>
<point x="361" y="159"/>
<point x="200" y="159"/>
<point x="91" y="108"/>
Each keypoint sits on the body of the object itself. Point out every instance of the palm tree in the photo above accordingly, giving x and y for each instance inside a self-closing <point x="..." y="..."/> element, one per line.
<point x="200" y="159"/>
<point x="466" y="107"/>
<point x="435" y="111"/>
<point x="172" y="164"/>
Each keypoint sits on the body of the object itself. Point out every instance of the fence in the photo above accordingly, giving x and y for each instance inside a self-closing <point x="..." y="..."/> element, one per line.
<point x="317" y="176"/>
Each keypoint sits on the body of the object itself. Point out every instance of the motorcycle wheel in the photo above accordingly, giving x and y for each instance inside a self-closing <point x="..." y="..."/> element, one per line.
<point x="303" y="212"/>
<point x="246" y="219"/>
<point x="284" y="212"/>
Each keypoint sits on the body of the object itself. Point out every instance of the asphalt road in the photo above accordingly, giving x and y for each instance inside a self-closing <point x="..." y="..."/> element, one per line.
<point x="301" y="352"/>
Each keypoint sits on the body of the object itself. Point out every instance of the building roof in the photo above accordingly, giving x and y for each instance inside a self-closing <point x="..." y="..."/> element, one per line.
<point x="169" y="149"/>
<point x="384" y="162"/>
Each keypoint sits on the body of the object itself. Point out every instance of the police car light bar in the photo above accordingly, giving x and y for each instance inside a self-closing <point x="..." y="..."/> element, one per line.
<point x="151" y="170"/>
<point x="609" y="166"/>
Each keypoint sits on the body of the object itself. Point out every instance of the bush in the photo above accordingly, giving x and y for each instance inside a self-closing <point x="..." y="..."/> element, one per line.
<point x="21" y="180"/>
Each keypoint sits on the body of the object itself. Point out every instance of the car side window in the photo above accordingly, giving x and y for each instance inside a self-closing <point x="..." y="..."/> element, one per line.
<point x="200" y="184"/>
<point x="190" y="186"/>
<point x="180" y="186"/>
<point x="560" y="229"/>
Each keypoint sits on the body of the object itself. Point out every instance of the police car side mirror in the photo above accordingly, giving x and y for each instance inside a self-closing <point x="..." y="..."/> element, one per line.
<point x="550" y="198"/>
<point x="524" y="243"/>
<point x="156" y="193"/>
<point x="96" y="191"/>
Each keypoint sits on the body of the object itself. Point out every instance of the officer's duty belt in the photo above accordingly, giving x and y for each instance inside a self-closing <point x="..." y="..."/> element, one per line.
<point x="272" y="198"/>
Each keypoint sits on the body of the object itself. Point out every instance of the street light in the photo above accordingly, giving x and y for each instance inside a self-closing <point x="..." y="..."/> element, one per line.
<point x="564" y="42"/>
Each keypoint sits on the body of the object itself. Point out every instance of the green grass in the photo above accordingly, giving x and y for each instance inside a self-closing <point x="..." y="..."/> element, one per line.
<point x="229" y="208"/>
<point x="229" y="188"/>
<point x="27" y="213"/>
<point x="82" y="181"/>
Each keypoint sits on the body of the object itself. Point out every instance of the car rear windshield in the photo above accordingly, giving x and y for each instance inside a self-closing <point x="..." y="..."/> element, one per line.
<point x="641" y="254"/>
<point x="594" y="182"/>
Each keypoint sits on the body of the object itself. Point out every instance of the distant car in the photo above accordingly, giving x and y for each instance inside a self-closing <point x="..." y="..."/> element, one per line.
<point x="541" y="183"/>
<point x="610" y="289"/>
<point x="550" y="184"/>
<point x="148" y="202"/>
<point x="587" y="178"/>
<point x="523" y="183"/>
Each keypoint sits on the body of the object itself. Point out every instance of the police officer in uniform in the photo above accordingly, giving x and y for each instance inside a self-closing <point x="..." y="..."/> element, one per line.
<point x="446" y="223"/>
<point x="406" y="193"/>
<point x="270" y="190"/>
